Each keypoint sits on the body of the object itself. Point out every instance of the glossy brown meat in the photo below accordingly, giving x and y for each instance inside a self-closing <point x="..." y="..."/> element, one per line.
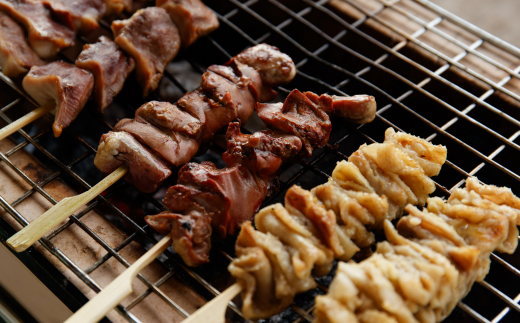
<point x="152" y="39"/>
<point x="299" y="116"/>
<point x="80" y="15"/>
<point x="145" y="170"/>
<point x="227" y="93"/>
<point x="110" y="68"/>
<point x="45" y="36"/>
<point x="168" y="116"/>
<point x="65" y="84"/>
<point x="16" y="56"/>
<point x="192" y="17"/>
<point x="357" y="108"/>
<point x="224" y="197"/>
<point x="263" y="152"/>
<point x="117" y="6"/>
<point x="274" y="67"/>
<point x="176" y="149"/>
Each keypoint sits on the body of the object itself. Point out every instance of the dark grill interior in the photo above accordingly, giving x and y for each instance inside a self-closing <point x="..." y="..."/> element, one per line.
<point x="421" y="89"/>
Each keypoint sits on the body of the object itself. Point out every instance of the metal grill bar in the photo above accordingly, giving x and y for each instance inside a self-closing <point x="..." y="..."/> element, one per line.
<point x="298" y="17"/>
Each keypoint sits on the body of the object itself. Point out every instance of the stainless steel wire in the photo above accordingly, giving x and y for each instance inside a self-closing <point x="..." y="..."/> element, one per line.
<point x="232" y="20"/>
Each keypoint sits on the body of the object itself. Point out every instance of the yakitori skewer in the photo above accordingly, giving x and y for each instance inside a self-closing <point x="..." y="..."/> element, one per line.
<point x="193" y="121"/>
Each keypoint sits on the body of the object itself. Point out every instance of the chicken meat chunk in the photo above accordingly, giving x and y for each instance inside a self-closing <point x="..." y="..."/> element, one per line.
<point x="80" y="15"/>
<point x="16" y="57"/>
<point x="192" y="17"/>
<point x="63" y="83"/>
<point x="110" y="68"/>
<point x="45" y="36"/>
<point x="152" y="39"/>
<point x="118" y="148"/>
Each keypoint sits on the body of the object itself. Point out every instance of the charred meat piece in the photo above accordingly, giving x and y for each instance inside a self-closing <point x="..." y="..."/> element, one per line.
<point x="192" y="17"/>
<point x="206" y="198"/>
<point x="80" y="15"/>
<point x="16" y="56"/>
<point x="307" y="114"/>
<point x="45" y="36"/>
<point x="176" y="149"/>
<point x="146" y="171"/>
<point x="191" y="233"/>
<point x="67" y="85"/>
<point x="274" y="67"/>
<point x="152" y="39"/>
<point x="263" y="152"/>
<point x="357" y="108"/>
<point x="298" y="116"/>
<point x="110" y="68"/>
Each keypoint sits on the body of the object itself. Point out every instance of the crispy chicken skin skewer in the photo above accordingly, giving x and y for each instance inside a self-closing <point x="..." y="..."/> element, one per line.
<point x="64" y="83"/>
<point x="110" y="68"/>
<point x="152" y="39"/>
<point x="192" y="17"/>
<point x="45" y="36"/>
<point x="227" y="93"/>
<point x="16" y="57"/>
<point x="301" y="121"/>
<point x="429" y="263"/>
<point x="332" y="221"/>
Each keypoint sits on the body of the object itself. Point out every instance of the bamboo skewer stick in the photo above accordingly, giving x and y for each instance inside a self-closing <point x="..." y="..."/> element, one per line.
<point x="117" y="290"/>
<point x="25" y="120"/>
<point x="25" y="238"/>
<point x="214" y="311"/>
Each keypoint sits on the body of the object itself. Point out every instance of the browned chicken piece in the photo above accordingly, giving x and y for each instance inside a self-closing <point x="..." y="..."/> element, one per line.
<point x="263" y="152"/>
<point x="144" y="168"/>
<point x="80" y="15"/>
<point x="117" y="6"/>
<point x="16" y="56"/>
<point x="152" y="39"/>
<point x="45" y="36"/>
<point x="357" y="108"/>
<point x="274" y="67"/>
<point x="298" y="116"/>
<point x="110" y="68"/>
<point x="192" y="17"/>
<point x="65" y="84"/>
<point x="169" y="117"/>
<point x="206" y="198"/>
<point x="174" y="148"/>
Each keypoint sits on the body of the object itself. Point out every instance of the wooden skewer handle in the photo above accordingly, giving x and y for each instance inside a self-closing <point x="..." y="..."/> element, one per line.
<point x="25" y="238"/>
<point x="25" y="120"/>
<point x="214" y="311"/>
<point x="117" y="290"/>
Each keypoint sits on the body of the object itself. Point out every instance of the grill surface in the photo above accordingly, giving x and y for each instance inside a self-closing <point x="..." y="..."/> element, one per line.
<point x="386" y="49"/>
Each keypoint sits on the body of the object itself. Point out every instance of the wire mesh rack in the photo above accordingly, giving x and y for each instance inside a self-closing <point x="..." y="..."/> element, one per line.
<point x="433" y="75"/>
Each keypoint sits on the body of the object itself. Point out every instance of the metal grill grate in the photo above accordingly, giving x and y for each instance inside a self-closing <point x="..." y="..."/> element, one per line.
<point x="389" y="49"/>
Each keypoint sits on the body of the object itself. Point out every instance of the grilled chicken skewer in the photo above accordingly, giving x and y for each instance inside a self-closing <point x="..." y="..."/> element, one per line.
<point x="122" y="153"/>
<point x="149" y="36"/>
<point x="314" y="236"/>
<point x="445" y="247"/>
<point x="239" y="145"/>
<point x="208" y="199"/>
